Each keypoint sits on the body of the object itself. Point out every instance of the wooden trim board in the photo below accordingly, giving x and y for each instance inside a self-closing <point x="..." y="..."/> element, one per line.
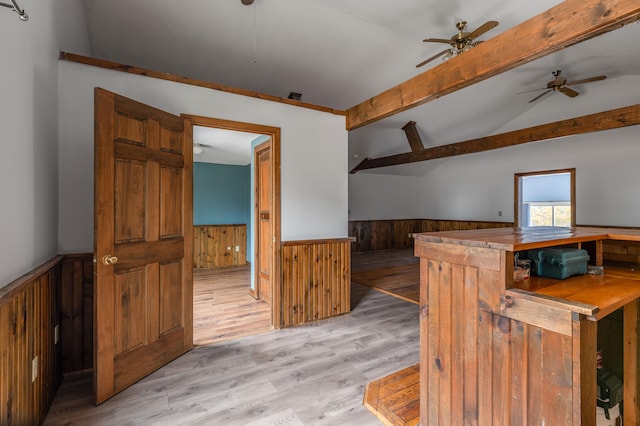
<point x="103" y="63"/>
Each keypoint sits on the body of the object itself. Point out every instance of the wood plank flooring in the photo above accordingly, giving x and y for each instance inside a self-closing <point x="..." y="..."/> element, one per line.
<point x="394" y="272"/>
<point x="313" y="374"/>
<point x="223" y="308"/>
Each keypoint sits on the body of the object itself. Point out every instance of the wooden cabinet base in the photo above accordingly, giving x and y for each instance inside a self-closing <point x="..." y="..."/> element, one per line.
<point x="518" y="353"/>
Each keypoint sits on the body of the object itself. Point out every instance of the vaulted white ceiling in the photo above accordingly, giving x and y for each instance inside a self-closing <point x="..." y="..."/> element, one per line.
<point x="338" y="53"/>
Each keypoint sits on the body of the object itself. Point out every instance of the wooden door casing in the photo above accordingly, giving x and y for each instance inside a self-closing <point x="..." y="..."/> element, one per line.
<point x="275" y="209"/>
<point x="263" y="218"/>
<point x="143" y="216"/>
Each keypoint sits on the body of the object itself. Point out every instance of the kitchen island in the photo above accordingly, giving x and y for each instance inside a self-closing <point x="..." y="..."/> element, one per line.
<point x="495" y="351"/>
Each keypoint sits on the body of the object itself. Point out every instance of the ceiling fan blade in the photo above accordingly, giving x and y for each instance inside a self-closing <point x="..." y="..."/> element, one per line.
<point x="426" y="61"/>
<point x="587" y="80"/>
<point x="569" y="92"/>
<point x="532" y="90"/>
<point x="483" y="29"/>
<point x="540" y="95"/>
<point x="437" y="40"/>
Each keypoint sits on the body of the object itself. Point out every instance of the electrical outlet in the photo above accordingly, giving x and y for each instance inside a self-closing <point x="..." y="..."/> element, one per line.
<point x="56" y="334"/>
<point x="410" y="235"/>
<point x="34" y="368"/>
<point x="237" y="249"/>
<point x="228" y="248"/>
<point x="499" y="212"/>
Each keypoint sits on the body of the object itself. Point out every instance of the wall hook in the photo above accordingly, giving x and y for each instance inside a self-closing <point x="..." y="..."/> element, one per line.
<point x="14" y="6"/>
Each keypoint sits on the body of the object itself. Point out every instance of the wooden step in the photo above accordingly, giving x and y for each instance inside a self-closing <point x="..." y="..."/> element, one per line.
<point x="395" y="399"/>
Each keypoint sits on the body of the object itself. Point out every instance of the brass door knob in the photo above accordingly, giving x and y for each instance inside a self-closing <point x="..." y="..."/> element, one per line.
<point x="108" y="259"/>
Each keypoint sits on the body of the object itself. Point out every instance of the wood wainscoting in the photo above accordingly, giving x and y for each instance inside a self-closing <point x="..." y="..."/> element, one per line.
<point x="30" y="367"/>
<point x="371" y="235"/>
<point x="76" y="312"/>
<point x="316" y="280"/>
<point x="219" y="246"/>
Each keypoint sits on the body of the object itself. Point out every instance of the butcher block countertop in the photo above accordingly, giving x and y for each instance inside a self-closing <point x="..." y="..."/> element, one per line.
<point x="515" y="239"/>
<point x="592" y="295"/>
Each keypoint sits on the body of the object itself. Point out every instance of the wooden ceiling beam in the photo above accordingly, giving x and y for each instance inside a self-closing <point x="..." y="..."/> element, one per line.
<point x="607" y="120"/>
<point x="413" y="136"/>
<point x="568" y="23"/>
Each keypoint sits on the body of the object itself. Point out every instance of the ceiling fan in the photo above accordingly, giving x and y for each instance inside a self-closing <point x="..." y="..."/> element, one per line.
<point x="461" y="42"/>
<point x="559" y="84"/>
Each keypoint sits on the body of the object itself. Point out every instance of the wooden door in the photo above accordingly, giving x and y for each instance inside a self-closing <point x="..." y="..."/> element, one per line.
<point x="264" y="219"/>
<point x="143" y="313"/>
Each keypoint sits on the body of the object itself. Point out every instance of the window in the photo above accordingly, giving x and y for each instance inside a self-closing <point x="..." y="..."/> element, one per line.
<point x="545" y="198"/>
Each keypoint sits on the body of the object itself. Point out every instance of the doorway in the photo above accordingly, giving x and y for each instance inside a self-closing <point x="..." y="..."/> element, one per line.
<point x="143" y="238"/>
<point x="263" y="247"/>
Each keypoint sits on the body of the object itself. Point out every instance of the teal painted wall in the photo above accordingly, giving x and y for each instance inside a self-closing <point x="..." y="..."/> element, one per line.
<point x="222" y="196"/>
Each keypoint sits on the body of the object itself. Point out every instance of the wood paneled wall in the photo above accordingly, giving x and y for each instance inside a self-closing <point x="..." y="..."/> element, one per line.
<point x="211" y="243"/>
<point x="431" y="225"/>
<point x="374" y="235"/>
<point x="28" y="317"/>
<point x="371" y="235"/>
<point x="76" y="312"/>
<point x="316" y="280"/>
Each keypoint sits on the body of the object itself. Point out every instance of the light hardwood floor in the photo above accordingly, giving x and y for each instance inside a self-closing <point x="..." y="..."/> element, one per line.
<point x="395" y="272"/>
<point x="223" y="308"/>
<point x="308" y="375"/>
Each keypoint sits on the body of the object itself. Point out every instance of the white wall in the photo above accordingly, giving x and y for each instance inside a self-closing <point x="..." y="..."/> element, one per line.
<point x="377" y="197"/>
<point x="313" y="150"/>
<point x="476" y="187"/>
<point x="29" y="123"/>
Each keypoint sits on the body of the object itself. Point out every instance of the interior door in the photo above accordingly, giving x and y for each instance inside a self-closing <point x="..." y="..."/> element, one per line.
<point x="265" y="234"/>
<point x="143" y="313"/>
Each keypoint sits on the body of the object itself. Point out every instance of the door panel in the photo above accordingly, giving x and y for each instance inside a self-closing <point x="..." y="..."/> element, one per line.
<point x="129" y="206"/>
<point x="129" y="310"/>
<point x="170" y="296"/>
<point x="143" y="201"/>
<point x="265" y="232"/>
<point x="170" y="202"/>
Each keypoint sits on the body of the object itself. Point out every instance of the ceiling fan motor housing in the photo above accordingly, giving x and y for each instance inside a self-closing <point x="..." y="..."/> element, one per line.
<point x="460" y="42"/>
<point x="557" y="83"/>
